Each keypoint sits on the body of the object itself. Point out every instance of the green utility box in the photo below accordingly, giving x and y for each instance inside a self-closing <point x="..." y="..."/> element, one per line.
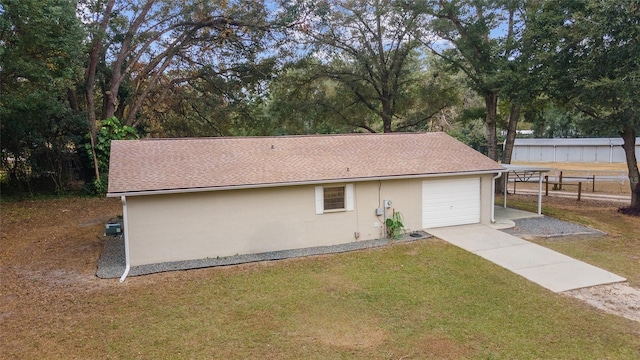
<point x="113" y="229"/>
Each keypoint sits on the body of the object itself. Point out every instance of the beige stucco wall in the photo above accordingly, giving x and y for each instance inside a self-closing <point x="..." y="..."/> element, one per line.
<point x="486" y="198"/>
<point x="224" y="223"/>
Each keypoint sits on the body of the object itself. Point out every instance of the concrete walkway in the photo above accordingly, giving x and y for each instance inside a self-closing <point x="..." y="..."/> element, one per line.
<point x="505" y="217"/>
<point x="545" y="267"/>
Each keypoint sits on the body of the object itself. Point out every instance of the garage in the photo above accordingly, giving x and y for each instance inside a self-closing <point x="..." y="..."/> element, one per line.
<point x="448" y="202"/>
<point x="289" y="192"/>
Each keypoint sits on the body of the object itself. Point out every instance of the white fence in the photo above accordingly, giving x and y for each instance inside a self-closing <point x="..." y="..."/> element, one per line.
<point x="607" y="150"/>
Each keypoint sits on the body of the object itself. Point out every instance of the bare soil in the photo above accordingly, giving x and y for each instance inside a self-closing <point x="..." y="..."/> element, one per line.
<point x="619" y="299"/>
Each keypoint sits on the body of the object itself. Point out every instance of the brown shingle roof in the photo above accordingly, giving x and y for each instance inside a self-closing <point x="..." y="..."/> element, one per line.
<point x="209" y="163"/>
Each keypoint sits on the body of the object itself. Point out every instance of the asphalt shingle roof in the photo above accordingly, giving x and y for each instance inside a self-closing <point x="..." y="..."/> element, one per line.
<point x="209" y="163"/>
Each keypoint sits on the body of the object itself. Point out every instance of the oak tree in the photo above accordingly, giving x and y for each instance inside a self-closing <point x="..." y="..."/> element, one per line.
<point x="589" y="58"/>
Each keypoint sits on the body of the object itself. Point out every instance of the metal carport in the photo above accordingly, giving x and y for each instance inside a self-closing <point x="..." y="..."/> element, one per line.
<point x="524" y="173"/>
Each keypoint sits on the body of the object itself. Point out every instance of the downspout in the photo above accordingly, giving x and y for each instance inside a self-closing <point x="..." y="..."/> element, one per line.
<point x="493" y="196"/>
<point x="125" y="224"/>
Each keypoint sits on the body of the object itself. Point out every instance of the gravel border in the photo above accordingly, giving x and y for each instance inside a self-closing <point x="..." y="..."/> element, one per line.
<point x="111" y="263"/>
<point x="548" y="227"/>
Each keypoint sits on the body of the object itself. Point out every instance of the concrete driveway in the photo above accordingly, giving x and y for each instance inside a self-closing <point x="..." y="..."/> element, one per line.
<point x="545" y="267"/>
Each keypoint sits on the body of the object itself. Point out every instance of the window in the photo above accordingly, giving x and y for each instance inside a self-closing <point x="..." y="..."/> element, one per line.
<point x="334" y="198"/>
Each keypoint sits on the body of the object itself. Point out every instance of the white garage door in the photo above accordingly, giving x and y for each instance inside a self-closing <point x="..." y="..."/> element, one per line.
<point x="450" y="202"/>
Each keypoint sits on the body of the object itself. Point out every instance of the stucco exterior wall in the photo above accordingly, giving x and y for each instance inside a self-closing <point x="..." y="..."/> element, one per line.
<point x="225" y="223"/>
<point x="486" y="198"/>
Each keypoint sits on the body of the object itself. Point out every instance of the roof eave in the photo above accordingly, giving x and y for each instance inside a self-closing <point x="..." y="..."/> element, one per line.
<point x="295" y="183"/>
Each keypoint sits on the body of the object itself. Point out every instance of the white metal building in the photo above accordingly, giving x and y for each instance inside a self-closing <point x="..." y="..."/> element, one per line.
<point x="607" y="150"/>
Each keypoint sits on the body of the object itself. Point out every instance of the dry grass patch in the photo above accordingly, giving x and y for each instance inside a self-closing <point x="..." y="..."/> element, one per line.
<point x="577" y="166"/>
<point x="351" y="331"/>
<point x="602" y="185"/>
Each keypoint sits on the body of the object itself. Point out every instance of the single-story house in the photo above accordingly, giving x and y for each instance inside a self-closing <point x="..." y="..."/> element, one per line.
<point x="199" y="198"/>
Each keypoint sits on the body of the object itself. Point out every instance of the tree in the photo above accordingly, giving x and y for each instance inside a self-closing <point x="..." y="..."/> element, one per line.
<point x="90" y="77"/>
<point x="369" y="48"/>
<point x="142" y="42"/>
<point x="480" y="39"/>
<point x="143" y="50"/>
<point x="40" y="56"/>
<point x="110" y="129"/>
<point x="554" y="122"/>
<point x="209" y="105"/>
<point x="589" y="58"/>
<point x="298" y="105"/>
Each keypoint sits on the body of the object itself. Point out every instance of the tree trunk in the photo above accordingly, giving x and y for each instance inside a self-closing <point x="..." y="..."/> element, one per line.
<point x="73" y="100"/>
<point x="387" y="115"/>
<point x="91" y="106"/>
<point x="512" y="129"/>
<point x="386" y="123"/>
<point x="119" y="114"/>
<point x="91" y="78"/>
<point x="110" y="103"/>
<point x="629" y="145"/>
<point x="386" y="102"/>
<point x="491" y="104"/>
<point x="118" y="66"/>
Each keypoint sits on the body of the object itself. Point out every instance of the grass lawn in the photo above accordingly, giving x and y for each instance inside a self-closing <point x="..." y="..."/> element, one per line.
<point x="618" y="252"/>
<point x="421" y="300"/>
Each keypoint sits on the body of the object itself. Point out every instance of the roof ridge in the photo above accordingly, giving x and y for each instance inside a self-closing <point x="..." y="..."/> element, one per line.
<point x="292" y="136"/>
